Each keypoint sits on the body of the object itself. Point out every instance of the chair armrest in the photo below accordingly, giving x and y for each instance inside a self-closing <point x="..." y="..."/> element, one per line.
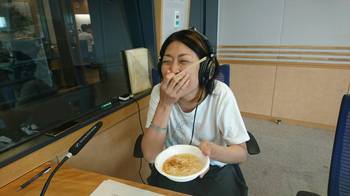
<point x="306" y="193"/>
<point x="252" y="145"/>
<point x="137" y="147"/>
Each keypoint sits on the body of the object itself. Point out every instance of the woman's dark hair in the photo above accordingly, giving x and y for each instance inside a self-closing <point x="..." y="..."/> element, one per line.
<point x="201" y="46"/>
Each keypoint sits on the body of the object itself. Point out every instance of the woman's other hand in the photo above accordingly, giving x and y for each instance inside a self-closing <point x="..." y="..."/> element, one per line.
<point x="234" y="153"/>
<point x="206" y="148"/>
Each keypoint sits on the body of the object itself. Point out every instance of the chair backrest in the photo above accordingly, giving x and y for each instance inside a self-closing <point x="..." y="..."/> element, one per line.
<point x="224" y="74"/>
<point x="155" y="77"/>
<point x="339" y="175"/>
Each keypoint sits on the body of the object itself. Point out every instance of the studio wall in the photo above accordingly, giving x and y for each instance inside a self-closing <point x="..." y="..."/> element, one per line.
<point x="290" y="60"/>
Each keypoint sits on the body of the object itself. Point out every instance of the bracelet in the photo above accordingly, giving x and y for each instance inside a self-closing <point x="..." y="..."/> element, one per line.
<point x="157" y="128"/>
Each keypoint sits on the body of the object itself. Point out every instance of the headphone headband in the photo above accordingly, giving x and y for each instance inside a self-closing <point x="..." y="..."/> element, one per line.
<point x="206" y="40"/>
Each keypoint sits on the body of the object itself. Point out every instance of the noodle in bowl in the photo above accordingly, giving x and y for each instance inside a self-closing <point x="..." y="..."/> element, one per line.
<point x="182" y="163"/>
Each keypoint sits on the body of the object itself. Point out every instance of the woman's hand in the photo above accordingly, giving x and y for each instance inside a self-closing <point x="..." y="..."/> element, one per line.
<point x="234" y="153"/>
<point x="206" y="148"/>
<point x="173" y="87"/>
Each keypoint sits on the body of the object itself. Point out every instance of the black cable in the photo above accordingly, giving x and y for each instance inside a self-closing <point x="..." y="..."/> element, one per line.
<point x="140" y="171"/>
<point x="52" y="174"/>
<point x="194" y="120"/>
<point x="139" y="114"/>
<point x="195" y="114"/>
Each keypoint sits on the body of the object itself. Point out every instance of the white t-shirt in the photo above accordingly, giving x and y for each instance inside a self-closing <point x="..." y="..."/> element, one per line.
<point x="218" y="120"/>
<point x="89" y="38"/>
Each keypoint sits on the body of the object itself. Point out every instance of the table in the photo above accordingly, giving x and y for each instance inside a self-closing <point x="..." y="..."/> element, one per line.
<point x="69" y="181"/>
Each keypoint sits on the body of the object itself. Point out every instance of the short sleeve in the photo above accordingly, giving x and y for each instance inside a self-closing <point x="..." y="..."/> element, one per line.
<point x="153" y="103"/>
<point x="230" y="121"/>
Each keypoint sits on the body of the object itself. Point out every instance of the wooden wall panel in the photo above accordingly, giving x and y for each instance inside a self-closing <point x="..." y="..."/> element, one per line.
<point x="253" y="87"/>
<point x="333" y="57"/>
<point x="309" y="81"/>
<point x="310" y="94"/>
<point x="113" y="122"/>
<point x="111" y="152"/>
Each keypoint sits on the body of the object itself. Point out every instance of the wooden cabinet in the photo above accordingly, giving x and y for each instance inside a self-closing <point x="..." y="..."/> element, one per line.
<point x="109" y="152"/>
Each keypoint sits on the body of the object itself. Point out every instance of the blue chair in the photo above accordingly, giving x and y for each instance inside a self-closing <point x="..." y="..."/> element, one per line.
<point x="155" y="77"/>
<point x="339" y="174"/>
<point x="224" y="74"/>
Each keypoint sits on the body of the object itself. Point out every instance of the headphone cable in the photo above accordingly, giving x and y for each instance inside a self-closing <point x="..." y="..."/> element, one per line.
<point x="139" y="113"/>
<point x="139" y="116"/>
<point x="194" y="118"/>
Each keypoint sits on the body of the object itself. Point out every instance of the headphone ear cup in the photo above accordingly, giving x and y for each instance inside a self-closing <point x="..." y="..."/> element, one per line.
<point x="206" y="71"/>
<point x="201" y="74"/>
<point x="211" y="69"/>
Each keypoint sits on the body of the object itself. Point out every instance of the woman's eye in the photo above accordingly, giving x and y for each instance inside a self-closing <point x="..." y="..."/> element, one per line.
<point x="165" y="61"/>
<point x="185" y="62"/>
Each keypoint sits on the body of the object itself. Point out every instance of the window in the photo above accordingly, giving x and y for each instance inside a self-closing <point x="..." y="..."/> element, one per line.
<point x="60" y="60"/>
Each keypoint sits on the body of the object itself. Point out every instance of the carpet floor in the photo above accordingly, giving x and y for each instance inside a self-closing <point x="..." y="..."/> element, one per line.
<point x="292" y="158"/>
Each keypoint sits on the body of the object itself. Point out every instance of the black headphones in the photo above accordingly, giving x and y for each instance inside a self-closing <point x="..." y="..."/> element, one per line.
<point x="208" y="68"/>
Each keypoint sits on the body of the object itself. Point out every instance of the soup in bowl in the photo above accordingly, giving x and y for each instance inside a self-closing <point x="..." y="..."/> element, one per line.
<point x="182" y="163"/>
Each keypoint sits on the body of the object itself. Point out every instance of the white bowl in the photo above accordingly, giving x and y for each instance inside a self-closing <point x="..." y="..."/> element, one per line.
<point x="180" y="149"/>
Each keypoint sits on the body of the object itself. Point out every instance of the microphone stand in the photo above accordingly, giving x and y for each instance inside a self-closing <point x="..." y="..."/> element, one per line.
<point x="47" y="183"/>
<point x="73" y="150"/>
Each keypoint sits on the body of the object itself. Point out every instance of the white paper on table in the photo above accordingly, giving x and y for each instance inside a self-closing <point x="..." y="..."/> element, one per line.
<point x="113" y="188"/>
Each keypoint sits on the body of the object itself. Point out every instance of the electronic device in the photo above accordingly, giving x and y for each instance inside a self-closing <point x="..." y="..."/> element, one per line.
<point x="125" y="97"/>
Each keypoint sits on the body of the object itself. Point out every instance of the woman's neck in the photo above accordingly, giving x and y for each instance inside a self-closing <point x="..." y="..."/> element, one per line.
<point x="189" y="102"/>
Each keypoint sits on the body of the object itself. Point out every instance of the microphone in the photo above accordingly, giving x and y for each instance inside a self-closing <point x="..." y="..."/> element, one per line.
<point x="83" y="140"/>
<point x="73" y="150"/>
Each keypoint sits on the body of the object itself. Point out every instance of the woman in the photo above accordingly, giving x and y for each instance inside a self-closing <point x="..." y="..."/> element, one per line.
<point x="190" y="107"/>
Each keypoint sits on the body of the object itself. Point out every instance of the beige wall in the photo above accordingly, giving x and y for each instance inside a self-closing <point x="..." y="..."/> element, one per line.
<point x="308" y="95"/>
<point x="253" y="87"/>
<point x="283" y="67"/>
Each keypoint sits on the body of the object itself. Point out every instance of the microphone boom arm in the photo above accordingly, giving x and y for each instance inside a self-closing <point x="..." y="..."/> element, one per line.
<point x="73" y="150"/>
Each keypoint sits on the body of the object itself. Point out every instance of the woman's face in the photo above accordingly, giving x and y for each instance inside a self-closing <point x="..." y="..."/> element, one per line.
<point x="178" y="57"/>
